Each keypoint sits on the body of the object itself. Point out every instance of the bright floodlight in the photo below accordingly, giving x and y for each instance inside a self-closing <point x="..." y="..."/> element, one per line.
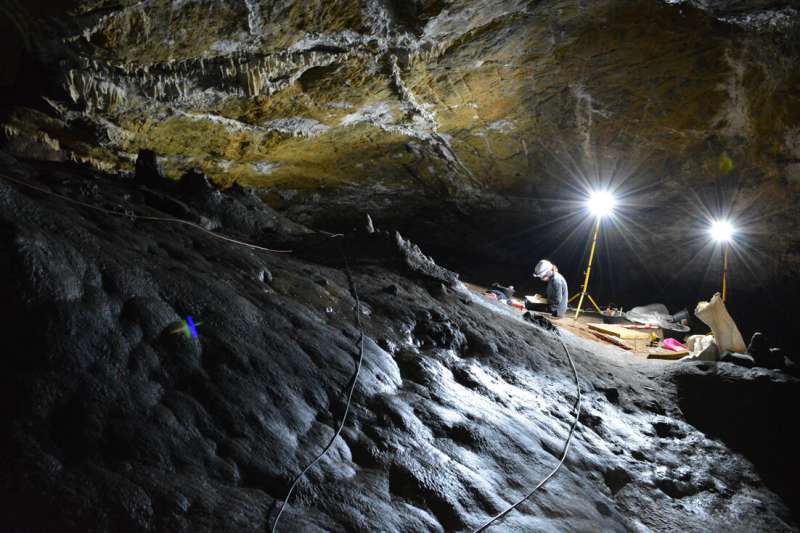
<point x="721" y="230"/>
<point x="601" y="203"/>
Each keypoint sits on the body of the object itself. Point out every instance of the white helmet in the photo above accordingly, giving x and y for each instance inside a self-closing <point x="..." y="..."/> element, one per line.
<point x="543" y="268"/>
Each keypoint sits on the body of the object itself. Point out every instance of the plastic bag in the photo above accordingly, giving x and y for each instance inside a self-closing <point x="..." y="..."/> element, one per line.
<point x="655" y="315"/>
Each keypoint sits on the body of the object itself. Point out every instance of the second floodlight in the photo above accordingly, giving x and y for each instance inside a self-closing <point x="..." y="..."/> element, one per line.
<point x="722" y="230"/>
<point x="601" y="203"/>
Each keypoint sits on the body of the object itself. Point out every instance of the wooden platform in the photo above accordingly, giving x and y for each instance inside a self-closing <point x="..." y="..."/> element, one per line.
<point x="639" y="346"/>
<point x="621" y="332"/>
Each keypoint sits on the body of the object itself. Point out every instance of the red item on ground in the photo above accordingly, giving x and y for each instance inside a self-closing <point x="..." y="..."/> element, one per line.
<point x="672" y="344"/>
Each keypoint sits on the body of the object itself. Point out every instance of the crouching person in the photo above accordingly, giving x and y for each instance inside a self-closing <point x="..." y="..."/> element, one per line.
<point x="557" y="292"/>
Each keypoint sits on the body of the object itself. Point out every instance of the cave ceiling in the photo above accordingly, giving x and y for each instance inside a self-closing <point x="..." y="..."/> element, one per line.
<point x="498" y="103"/>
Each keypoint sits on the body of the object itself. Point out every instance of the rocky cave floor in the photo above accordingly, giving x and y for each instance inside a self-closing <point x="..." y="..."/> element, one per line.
<point x="114" y="423"/>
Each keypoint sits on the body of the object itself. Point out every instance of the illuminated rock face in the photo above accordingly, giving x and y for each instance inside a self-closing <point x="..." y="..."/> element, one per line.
<point x="114" y="423"/>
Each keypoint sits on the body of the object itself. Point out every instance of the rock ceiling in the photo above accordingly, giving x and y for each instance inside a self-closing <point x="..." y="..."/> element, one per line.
<point x="471" y="100"/>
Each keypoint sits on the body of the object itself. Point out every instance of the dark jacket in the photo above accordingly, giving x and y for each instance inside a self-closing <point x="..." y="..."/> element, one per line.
<point x="557" y="294"/>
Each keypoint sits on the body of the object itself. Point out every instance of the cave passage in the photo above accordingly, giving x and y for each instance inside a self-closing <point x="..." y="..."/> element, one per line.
<point x="399" y="265"/>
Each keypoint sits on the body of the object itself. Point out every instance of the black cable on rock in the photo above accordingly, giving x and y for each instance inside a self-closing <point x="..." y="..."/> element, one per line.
<point x="564" y="455"/>
<point x="357" y="312"/>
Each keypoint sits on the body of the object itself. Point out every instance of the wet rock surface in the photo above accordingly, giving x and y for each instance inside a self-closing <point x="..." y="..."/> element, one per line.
<point x="112" y="422"/>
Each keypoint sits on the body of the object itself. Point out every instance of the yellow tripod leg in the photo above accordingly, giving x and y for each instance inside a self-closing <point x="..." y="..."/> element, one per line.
<point x="585" y="287"/>
<point x="580" y="303"/>
<point x="594" y="303"/>
<point x="725" y="273"/>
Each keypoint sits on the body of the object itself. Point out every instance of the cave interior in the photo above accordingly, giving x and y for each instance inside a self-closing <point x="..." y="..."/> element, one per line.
<point x="245" y="247"/>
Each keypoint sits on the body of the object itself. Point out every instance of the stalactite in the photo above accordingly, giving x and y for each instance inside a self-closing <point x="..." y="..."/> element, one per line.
<point x="430" y="133"/>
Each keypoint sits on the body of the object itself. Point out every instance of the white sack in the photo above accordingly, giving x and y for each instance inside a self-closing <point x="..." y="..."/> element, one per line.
<point x="726" y="335"/>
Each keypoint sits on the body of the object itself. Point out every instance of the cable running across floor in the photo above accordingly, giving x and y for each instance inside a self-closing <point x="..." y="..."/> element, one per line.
<point x="563" y="456"/>
<point x="357" y="312"/>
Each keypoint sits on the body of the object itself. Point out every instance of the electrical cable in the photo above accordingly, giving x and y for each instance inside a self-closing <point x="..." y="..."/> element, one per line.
<point x="134" y="216"/>
<point x="357" y="311"/>
<point x="566" y="446"/>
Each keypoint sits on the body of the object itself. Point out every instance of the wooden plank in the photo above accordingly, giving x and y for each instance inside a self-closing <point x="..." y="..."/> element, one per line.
<point x="613" y="340"/>
<point x="661" y="353"/>
<point x="621" y="332"/>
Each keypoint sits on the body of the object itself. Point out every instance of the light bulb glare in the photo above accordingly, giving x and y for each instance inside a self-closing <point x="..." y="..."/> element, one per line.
<point x="721" y="231"/>
<point x="601" y="203"/>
